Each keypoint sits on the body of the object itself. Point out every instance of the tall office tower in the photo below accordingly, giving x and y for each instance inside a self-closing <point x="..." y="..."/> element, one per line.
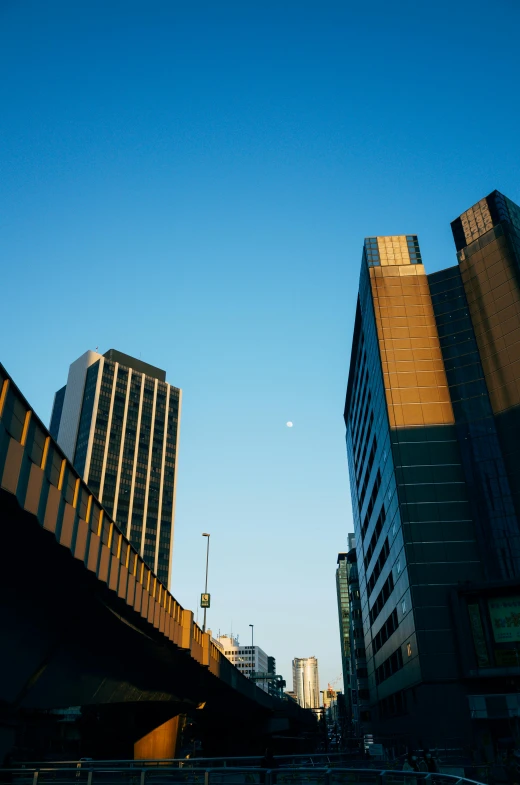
<point x="432" y="417"/>
<point x="117" y="420"/>
<point x="306" y="684"/>
<point x="487" y="238"/>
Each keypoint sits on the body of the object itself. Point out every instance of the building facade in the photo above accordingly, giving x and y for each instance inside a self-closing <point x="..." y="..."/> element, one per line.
<point x="342" y="592"/>
<point x="249" y="660"/>
<point x="432" y="417"/>
<point x="359" y="697"/>
<point x="306" y="683"/>
<point x="117" y="420"/>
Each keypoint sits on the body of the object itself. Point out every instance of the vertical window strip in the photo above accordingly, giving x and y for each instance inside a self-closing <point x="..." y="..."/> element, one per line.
<point x="89" y="509"/>
<point x="95" y="406"/>
<point x="134" y="468"/>
<point x="177" y="439"/>
<point x="109" y="428"/>
<point x="161" y="486"/>
<point x="121" y="446"/>
<point x="147" y="482"/>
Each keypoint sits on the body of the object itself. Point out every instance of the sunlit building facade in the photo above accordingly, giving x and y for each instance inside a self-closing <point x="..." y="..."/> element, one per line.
<point x="117" y="420"/>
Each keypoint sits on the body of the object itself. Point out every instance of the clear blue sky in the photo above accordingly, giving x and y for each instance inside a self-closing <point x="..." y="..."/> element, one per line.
<point x="191" y="182"/>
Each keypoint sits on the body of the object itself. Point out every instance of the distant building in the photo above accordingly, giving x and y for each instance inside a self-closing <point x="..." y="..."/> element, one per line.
<point x="344" y="622"/>
<point x="359" y="698"/>
<point x="117" y="420"/>
<point x="306" y="683"/>
<point x="330" y="706"/>
<point x="248" y="659"/>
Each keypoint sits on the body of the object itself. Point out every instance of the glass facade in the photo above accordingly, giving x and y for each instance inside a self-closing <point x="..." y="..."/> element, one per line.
<point x="85" y="420"/>
<point x="432" y="416"/>
<point x="489" y="492"/>
<point x="487" y="237"/>
<point x="57" y="409"/>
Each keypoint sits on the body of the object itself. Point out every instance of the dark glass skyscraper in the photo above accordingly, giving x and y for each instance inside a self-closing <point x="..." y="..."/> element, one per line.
<point x="117" y="420"/>
<point x="432" y="409"/>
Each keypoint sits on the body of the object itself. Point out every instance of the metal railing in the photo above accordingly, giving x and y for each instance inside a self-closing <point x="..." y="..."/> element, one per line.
<point x="96" y="773"/>
<point x="323" y="760"/>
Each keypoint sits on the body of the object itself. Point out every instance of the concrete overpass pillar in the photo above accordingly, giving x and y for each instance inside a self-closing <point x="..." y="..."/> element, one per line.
<point x="161" y="742"/>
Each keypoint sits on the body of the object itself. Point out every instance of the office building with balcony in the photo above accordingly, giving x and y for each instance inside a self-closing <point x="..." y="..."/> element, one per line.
<point x="432" y="417"/>
<point x="117" y="420"/>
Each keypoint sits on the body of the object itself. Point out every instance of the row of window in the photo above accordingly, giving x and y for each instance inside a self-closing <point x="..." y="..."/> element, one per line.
<point x="371" y="458"/>
<point x="388" y="667"/>
<point x="378" y="566"/>
<point x="388" y="628"/>
<point x="371" y="503"/>
<point x="359" y="400"/>
<point x="384" y="594"/>
<point x="393" y="706"/>
<point x="357" y="437"/>
<point x="380" y="522"/>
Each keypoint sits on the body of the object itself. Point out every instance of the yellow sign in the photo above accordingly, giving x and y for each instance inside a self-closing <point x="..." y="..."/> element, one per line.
<point x="505" y="618"/>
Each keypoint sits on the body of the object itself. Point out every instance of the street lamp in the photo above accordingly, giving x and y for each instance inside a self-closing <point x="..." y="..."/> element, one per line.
<point x="205" y="534"/>
<point x="252" y="628"/>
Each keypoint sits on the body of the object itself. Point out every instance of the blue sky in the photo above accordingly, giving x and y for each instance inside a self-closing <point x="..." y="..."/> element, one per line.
<point x="191" y="183"/>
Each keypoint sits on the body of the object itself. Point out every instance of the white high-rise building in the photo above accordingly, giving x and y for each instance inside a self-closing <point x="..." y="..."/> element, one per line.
<point x="117" y="420"/>
<point x="306" y="683"/>
<point x="248" y="659"/>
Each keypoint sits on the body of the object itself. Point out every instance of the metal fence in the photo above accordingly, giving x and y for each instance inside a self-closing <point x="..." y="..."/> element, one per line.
<point x="97" y="773"/>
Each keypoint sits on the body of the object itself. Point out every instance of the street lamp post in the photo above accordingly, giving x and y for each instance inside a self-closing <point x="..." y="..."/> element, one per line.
<point x="205" y="534"/>
<point x="253" y="659"/>
<point x="252" y="628"/>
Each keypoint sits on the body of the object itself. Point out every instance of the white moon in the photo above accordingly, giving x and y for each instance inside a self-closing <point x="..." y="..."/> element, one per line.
<point x="289" y="424"/>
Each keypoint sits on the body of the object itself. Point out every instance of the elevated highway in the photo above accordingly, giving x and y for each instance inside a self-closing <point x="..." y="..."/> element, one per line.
<point x="85" y="622"/>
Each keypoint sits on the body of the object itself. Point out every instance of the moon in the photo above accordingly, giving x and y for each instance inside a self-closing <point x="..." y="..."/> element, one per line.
<point x="289" y="424"/>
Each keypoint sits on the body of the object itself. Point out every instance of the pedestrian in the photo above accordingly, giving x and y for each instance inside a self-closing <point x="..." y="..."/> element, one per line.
<point x="267" y="762"/>
<point x="432" y="762"/>
<point x="410" y="762"/>
<point x="421" y="762"/>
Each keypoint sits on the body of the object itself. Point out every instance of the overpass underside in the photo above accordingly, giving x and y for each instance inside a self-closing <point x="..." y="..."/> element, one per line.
<point x="86" y="624"/>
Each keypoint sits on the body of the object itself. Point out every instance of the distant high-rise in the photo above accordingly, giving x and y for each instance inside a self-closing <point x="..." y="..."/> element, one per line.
<point x="342" y="590"/>
<point x="117" y="420"/>
<point x="249" y="660"/>
<point x="306" y="684"/>
<point x="432" y="415"/>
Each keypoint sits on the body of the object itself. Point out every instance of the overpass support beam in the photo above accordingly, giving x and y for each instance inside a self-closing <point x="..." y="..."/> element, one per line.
<point x="161" y="742"/>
